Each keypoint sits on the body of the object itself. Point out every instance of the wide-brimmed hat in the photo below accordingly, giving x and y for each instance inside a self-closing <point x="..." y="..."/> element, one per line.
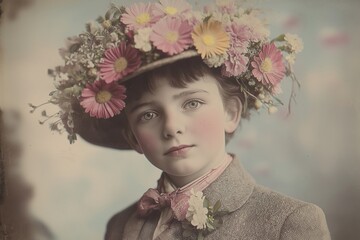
<point x="129" y="41"/>
<point x="108" y="132"/>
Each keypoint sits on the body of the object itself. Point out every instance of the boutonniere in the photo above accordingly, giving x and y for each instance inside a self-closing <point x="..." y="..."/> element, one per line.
<point x="201" y="216"/>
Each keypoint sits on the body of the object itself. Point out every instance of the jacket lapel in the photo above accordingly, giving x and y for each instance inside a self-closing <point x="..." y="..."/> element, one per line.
<point x="233" y="187"/>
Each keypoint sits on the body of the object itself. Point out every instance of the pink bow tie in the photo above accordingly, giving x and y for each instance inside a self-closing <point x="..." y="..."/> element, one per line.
<point x="177" y="200"/>
<point x="152" y="200"/>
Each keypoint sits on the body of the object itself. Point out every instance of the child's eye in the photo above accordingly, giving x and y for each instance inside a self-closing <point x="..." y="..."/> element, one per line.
<point x="193" y="104"/>
<point x="148" y="116"/>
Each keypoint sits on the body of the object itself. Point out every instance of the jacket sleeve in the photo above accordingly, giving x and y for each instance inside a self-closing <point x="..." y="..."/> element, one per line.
<point x="306" y="222"/>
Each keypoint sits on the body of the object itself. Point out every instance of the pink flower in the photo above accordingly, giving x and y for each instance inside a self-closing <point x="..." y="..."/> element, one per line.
<point x="236" y="64"/>
<point x="268" y="65"/>
<point x="139" y="15"/>
<point x="240" y="35"/>
<point x="103" y="100"/>
<point x="119" y="62"/>
<point x="171" y="35"/>
<point x="171" y="8"/>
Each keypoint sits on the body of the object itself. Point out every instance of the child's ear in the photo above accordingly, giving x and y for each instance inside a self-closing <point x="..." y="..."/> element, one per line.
<point x="131" y="140"/>
<point x="233" y="111"/>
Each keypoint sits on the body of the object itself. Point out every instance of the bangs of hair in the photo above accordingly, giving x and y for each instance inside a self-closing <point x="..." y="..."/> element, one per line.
<point x="178" y="74"/>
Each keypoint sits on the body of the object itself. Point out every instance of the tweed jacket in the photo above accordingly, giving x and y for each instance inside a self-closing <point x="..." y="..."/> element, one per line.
<point x="254" y="212"/>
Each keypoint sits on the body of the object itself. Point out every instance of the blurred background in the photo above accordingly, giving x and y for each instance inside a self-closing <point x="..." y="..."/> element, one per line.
<point x="70" y="191"/>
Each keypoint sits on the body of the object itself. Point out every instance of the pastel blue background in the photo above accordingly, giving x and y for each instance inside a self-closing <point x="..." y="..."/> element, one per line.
<point x="312" y="155"/>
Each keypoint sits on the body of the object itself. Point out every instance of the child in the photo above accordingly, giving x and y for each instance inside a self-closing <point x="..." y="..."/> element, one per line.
<point x="173" y="84"/>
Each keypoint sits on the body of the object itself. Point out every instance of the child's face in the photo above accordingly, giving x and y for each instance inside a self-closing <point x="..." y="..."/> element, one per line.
<point x="192" y="120"/>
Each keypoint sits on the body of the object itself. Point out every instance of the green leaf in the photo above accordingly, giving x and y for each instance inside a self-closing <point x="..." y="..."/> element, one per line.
<point x="109" y="13"/>
<point x="100" y="19"/>
<point x="217" y="206"/>
<point x="117" y="15"/>
<point x="211" y="227"/>
<point x="279" y="38"/>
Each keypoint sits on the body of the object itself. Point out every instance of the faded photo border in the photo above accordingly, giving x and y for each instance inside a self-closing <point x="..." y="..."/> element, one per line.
<point x="53" y="190"/>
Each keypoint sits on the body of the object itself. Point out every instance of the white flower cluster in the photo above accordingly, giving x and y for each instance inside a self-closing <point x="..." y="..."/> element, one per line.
<point x="197" y="213"/>
<point x="142" y="39"/>
<point x="295" y="44"/>
<point x="216" y="61"/>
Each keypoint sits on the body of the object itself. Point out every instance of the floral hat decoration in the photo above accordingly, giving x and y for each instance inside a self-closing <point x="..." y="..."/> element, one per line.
<point x="128" y="41"/>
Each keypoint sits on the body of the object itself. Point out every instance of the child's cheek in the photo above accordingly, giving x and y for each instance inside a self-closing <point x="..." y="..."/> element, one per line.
<point x="146" y="140"/>
<point x="208" y="127"/>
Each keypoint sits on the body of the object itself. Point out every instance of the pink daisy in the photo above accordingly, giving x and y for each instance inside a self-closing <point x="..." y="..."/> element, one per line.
<point x="171" y="35"/>
<point x="240" y="35"/>
<point x="268" y="65"/>
<point x="236" y="64"/>
<point x="139" y="15"/>
<point x="119" y="62"/>
<point x="171" y="8"/>
<point x="102" y="100"/>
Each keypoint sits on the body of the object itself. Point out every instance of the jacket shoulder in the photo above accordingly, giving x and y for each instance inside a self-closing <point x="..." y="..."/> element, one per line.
<point x="295" y="219"/>
<point x="270" y="200"/>
<point x="305" y="222"/>
<point x="116" y="224"/>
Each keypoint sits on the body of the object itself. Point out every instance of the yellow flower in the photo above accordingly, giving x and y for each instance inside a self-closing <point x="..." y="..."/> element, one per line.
<point x="210" y="39"/>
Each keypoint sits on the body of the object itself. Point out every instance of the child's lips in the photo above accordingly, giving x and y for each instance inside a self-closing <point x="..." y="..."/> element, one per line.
<point x="178" y="150"/>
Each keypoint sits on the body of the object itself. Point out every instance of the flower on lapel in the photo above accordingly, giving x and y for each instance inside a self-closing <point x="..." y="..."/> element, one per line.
<point x="201" y="216"/>
<point x="197" y="212"/>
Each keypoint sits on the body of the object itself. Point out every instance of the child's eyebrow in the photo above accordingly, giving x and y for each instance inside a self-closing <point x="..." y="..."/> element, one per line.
<point x="189" y="92"/>
<point x="134" y="108"/>
<point x="177" y="96"/>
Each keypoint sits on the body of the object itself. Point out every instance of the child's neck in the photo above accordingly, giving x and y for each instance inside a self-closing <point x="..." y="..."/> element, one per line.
<point x="180" y="181"/>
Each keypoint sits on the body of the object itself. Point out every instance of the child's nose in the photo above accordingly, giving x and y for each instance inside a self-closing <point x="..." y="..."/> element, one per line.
<point x="173" y="125"/>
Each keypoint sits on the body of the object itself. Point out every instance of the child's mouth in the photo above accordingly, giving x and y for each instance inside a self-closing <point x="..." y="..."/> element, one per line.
<point x="178" y="150"/>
